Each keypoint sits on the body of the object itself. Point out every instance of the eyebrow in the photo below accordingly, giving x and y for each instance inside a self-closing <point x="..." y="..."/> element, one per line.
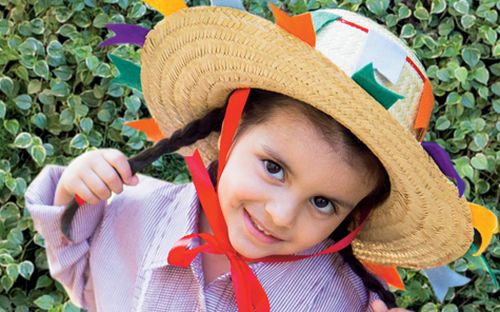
<point x="279" y="159"/>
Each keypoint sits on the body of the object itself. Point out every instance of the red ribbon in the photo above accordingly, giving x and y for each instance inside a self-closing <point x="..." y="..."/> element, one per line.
<point x="250" y="296"/>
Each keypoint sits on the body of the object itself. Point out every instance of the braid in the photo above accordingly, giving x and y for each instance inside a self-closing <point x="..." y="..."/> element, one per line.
<point x="368" y="279"/>
<point x="195" y="130"/>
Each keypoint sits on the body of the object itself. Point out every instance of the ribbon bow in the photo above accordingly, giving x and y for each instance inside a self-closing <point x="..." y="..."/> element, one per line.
<point x="250" y="296"/>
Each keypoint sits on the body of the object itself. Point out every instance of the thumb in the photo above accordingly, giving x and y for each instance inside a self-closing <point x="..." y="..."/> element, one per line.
<point x="378" y="306"/>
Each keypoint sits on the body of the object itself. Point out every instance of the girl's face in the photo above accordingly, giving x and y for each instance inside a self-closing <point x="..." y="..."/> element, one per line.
<point x="284" y="188"/>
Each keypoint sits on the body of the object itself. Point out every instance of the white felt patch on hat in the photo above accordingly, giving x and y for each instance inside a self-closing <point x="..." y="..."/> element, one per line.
<point x="387" y="57"/>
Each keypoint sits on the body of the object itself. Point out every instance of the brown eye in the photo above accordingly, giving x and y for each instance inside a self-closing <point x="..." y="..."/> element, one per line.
<point x="323" y="205"/>
<point x="273" y="169"/>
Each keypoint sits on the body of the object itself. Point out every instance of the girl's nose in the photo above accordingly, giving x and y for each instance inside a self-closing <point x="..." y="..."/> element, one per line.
<point x="283" y="211"/>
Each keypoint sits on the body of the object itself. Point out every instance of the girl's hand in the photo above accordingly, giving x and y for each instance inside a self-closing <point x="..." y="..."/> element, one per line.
<point x="93" y="176"/>
<point x="379" y="306"/>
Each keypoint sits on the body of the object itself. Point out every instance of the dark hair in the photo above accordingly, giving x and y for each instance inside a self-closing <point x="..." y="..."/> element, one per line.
<point x="259" y="106"/>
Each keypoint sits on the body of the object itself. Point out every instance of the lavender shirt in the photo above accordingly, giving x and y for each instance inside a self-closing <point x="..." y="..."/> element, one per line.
<point x="118" y="260"/>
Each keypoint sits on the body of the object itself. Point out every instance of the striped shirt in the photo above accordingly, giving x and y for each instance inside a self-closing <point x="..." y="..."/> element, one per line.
<point x="118" y="258"/>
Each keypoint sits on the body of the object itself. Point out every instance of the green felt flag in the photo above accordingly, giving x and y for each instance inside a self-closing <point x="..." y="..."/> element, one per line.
<point x="129" y="73"/>
<point x="365" y="77"/>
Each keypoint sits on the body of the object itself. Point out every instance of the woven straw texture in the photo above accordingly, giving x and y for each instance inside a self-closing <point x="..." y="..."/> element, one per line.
<point x="193" y="59"/>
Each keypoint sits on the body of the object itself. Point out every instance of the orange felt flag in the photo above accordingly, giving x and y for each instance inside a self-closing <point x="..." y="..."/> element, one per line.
<point x="425" y="106"/>
<point x="486" y="223"/>
<point x="301" y="26"/>
<point x="167" y="7"/>
<point x="388" y="273"/>
<point x="149" y="127"/>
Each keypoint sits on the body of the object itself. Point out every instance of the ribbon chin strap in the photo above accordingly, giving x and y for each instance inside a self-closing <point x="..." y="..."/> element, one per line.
<point x="250" y="296"/>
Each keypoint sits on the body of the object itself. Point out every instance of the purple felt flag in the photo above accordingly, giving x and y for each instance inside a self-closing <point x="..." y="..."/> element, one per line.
<point x="442" y="159"/>
<point x="126" y="33"/>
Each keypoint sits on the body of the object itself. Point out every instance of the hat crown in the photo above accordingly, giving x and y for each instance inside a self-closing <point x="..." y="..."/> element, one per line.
<point x="354" y="40"/>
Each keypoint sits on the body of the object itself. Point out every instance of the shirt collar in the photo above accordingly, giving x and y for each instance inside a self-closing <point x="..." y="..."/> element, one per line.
<point x="180" y="219"/>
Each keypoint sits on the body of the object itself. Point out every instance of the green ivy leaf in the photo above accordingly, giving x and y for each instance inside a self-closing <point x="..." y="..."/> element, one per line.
<point x="38" y="153"/>
<point x="66" y="117"/>
<point x="462" y="6"/>
<point x="461" y="74"/>
<point x="34" y="86"/>
<point x="12" y="271"/>
<point x="43" y="282"/>
<point x="481" y="139"/>
<point x="11" y="125"/>
<point x="80" y="141"/>
<point x="408" y="31"/>
<point x="7" y="86"/>
<point x="42" y="69"/>
<point x="23" y="101"/>
<point x="26" y="268"/>
<point x="481" y="74"/>
<point x="133" y="103"/>
<point x="19" y="189"/>
<point x="101" y="20"/>
<point x="63" y="72"/>
<point x="442" y="123"/>
<point x="86" y="124"/>
<point x="55" y="49"/>
<point x="92" y="62"/>
<point x="421" y="13"/>
<point x="37" y="26"/>
<point x="377" y="7"/>
<point x="63" y="14"/>
<point x="67" y="30"/>
<point x="138" y="10"/>
<point x="45" y="302"/>
<point x="59" y="88"/>
<point x="404" y="12"/>
<point x="23" y="140"/>
<point x="6" y="282"/>
<point x="471" y="56"/>
<point x="479" y="161"/>
<point x="438" y="6"/>
<point x="468" y="21"/>
<point x="103" y="70"/>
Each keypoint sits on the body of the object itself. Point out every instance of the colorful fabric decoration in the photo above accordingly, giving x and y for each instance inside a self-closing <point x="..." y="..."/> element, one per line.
<point x="126" y="33"/>
<point x="425" y="106"/>
<point x="301" y="26"/>
<point x="486" y="223"/>
<point x="129" y="74"/>
<point x="365" y="77"/>
<point x="228" y="3"/>
<point x="442" y="159"/>
<point x="442" y="278"/>
<point x="167" y="7"/>
<point x="149" y="127"/>
<point x="321" y="19"/>
<point x="386" y="56"/>
<point x="388" y="273"/>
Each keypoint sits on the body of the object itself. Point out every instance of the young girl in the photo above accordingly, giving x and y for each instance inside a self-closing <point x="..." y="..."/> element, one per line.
<point x="320" y="144"/>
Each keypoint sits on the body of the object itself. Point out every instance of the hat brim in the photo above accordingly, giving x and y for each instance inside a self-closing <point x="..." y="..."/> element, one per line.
<point x="193" y="59"/>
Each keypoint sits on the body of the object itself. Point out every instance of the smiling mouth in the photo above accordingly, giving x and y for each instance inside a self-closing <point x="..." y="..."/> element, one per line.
<point x="260" y="228"/>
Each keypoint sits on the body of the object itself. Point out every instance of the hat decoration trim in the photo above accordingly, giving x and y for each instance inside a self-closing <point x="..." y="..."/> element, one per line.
<point x="126" y="33"/>
<point x="365" y="77"/>
<point x="484" y="220"/>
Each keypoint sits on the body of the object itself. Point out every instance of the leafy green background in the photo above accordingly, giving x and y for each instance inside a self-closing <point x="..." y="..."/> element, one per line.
<point x="57" y="101"/>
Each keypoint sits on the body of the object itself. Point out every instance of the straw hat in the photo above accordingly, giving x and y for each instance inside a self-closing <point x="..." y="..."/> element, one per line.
<point x="194" y="58"/>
